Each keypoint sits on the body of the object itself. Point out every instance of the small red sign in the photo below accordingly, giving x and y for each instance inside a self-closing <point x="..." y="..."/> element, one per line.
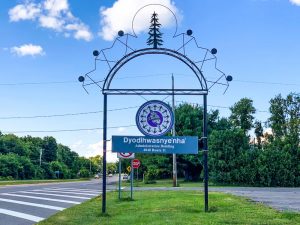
<point x="136" y="163"/>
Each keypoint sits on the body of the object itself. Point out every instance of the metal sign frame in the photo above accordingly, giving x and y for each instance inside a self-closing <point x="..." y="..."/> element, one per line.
<point x="195" y="67"/>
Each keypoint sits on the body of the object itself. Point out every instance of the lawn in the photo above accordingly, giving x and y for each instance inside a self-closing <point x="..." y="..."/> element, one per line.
<point x="174" y="208"/>
<point x="17" y="182"/>
<point x="167" y="183"/>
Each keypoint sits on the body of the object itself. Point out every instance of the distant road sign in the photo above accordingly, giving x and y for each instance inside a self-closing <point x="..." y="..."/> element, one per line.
<point x="123" y="155"/>
<point x="129" y="169"/>
<point x="136" y="163"/>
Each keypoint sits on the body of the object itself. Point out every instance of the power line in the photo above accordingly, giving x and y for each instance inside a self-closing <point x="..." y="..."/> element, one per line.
<point x="147" y="75"/>
<point x="37" y="83"/>
<point x="65" y="130"/>
<point x="100" y="111"/>
<point x="65" y="114"/>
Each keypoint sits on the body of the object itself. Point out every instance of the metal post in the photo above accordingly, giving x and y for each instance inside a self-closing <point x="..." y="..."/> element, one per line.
<point x="174" y="133"/>
<point x="104" y="153"/>
<point x="131" y="180"/>
<point x="205" y="152"/>
<point x="41" y="152"/>
<point x="119" y="178"/>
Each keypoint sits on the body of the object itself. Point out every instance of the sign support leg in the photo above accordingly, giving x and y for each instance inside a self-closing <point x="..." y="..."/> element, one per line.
<point x="104" y="154"/>
<point x="119" y="179"/>
<point x="205" y="152"/>
<point x="174" y="134"/>
<point x="131" y="181"/>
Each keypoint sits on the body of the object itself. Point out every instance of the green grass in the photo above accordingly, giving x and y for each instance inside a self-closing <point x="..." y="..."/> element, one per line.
<point x="18" y="182"/>
<point x="167" y="183"/>
<point x="172" y="208"/>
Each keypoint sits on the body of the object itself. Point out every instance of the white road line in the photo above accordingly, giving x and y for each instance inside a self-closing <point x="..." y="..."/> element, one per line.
<point x="34" y="197"/>
<point x="41" y="193"/>
<point x="21" y="215"/>
<point x="68" y="192"/>
<point x="74" y="189"/>
<point x="32" y="204"/>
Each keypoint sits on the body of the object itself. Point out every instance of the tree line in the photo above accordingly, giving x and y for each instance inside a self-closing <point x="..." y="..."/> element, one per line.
<point x="242" y="150"/>
<point x="42" y="158"/>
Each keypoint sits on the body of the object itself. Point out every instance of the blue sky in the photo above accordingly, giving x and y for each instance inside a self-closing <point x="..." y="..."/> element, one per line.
<point x="52" y="41"/>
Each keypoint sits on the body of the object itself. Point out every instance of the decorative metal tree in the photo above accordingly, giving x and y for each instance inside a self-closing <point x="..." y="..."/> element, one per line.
<point x="155" y="37"/>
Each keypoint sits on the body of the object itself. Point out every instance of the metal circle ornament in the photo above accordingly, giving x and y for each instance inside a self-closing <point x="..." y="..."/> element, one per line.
<point x="154" y="118"/>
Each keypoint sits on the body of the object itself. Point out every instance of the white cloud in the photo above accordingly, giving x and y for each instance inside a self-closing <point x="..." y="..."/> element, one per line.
<point x="88" y="150"/>
<point x="52" y="14"/>
<point x="56" y="6"/>
<point x="97" y="149"/>
<point x="121" y="130"/>
<point x="120" y="15"/>
<point x="77" y="144"/>
<point x="81" y="31"/>
<point x="51" y="22"/>
<point x="24" y="12"/>
<point x="27" y="49"/>
<point x="296" y="2"/>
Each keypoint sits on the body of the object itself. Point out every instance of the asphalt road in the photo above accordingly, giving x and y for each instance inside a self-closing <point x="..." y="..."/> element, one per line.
<point x="28" y="204"/>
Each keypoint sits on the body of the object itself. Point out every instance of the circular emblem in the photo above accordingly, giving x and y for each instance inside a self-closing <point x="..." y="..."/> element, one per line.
<point x="154" y="118"/>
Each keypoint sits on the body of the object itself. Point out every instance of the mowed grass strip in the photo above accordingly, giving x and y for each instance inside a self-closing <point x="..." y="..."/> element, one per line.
<point x="168" y="183"/>
<point x="17" y="182"/>
<point x="171" y="207"/>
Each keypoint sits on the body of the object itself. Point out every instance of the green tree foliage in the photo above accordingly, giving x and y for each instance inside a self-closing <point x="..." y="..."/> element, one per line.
<point x="242" y="114"/>
<point x="259" y="132"/>
<point x="97" y="165"/>
<point x="20" y="159"/>
<point x="111" y="168"/>
<point x="49" y="149"/>
<point x="59" y="169"/>
<point x="271" y="161"/>
<point x="15" y="166"/>
<point x="228" y="156"/>
<point x="151" y="175"/>
<point x="285" y="124"/>
<point x="12" y="144"/>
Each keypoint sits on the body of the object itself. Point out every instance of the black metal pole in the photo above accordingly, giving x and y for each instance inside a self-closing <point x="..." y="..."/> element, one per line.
<point x="205" y="152"/>
<point x="104" y="154"/>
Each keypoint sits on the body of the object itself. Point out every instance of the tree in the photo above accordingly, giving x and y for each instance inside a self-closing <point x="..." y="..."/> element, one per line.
<point x="10" y="143"/>
<point x="285" y="124"/>
<point x="285" y="117"/>
<point x="242" y="114"/>
<point x="259" y="132"/>
<point x="230" y="161"/>
<point x="61" y="168"/>
<point x="96" y="164"/>
<point x="111" y="168"/>
<point x="49" y="149"/>
<point x="155" y="36"/>
<point x="34" y="145"/>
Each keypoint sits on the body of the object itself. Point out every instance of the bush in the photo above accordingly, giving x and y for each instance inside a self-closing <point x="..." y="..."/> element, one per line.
<point x="151" y="175"/>
<point x="84" y="173"/>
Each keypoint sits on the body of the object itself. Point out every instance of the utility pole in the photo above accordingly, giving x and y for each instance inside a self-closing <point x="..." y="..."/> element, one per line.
<point x="174" y="133"/>
<point x="41" y="152"/>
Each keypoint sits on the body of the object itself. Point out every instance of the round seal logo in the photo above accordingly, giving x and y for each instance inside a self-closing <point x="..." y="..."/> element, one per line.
<point x="154" y="118"/>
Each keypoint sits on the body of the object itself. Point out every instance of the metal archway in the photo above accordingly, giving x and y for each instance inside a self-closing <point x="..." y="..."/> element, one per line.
<point x="106" y="90"/>
<point x="202" y="90"/>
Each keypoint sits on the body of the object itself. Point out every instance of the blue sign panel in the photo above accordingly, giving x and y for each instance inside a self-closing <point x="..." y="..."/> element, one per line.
<point x="158" y="145"/>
